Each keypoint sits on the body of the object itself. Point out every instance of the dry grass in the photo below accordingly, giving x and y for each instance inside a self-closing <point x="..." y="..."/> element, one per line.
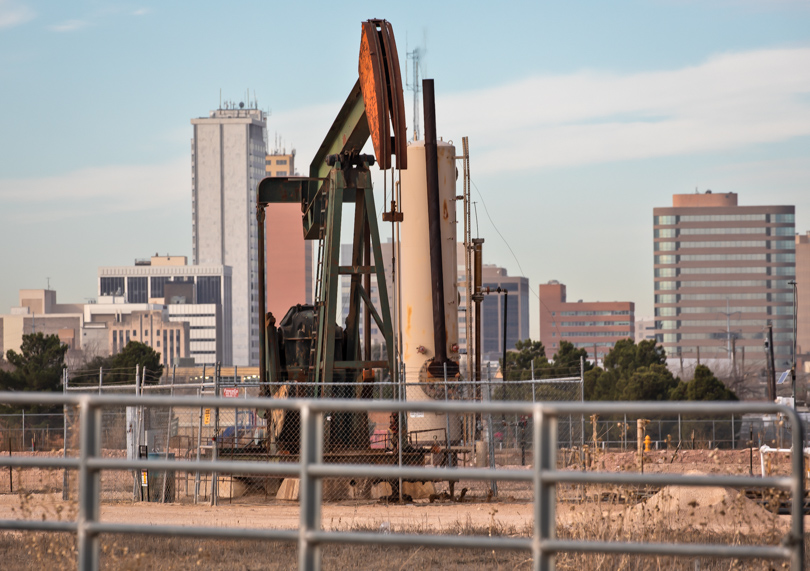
<point x="607" y="521"/>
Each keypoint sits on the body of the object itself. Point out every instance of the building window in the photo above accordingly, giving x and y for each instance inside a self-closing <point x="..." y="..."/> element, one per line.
<point x="157" y="284"/>
<point x="136" y="290"/>
<point x="208" y="289"/>
<point x="111" y="286"/>
<point x="134" y="333"/>
<point x="157" y="343"/>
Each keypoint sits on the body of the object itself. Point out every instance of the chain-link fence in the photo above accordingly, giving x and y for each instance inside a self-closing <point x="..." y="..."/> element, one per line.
<point x="425" y="439"/>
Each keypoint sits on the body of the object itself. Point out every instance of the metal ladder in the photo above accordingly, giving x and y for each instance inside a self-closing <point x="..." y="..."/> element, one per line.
<point x="318" y="301"/>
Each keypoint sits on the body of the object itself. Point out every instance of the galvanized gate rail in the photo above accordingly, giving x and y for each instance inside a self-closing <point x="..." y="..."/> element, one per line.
<point x="543" y="544"/>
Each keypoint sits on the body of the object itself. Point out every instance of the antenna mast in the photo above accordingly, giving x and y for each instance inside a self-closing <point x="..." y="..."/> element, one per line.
<point x="415" y="85"/>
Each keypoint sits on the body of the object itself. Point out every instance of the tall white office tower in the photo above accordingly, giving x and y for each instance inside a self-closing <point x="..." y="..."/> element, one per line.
<point x="228" y="161"/>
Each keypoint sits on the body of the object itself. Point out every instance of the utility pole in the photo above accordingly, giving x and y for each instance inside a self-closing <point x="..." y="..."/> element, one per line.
<point x="793" y="368"/>
<point x="770" y="364"/>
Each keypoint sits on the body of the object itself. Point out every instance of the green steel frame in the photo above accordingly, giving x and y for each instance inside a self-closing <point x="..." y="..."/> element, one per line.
<point x="322" y="196"/>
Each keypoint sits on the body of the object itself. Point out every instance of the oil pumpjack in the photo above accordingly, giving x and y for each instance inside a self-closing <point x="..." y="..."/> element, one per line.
<point x="307" y="354"/>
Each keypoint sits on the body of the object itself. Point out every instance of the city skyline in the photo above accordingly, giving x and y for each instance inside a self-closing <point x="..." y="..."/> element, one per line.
<point x="610" y="114"/>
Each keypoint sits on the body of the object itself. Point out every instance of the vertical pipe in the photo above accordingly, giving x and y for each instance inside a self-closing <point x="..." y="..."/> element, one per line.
<point x="733" y="434"/>
<point x="446" y="421"/>
<point x="168" y="439"/>
<point x="309" y="554"/>
<point x="582" y="416"/>
<point x="772" y="380"/>
<point x="434" y="226"/>
<point x="400" y="424"/>
<point x="262" y="293"/>
<point x="797" y="494"/>
<point x="793" y="368"/>
<point x="503" y="364"/>
<point x="88" y="543"/>
<point x="65" y="493"/>
<point x="199" y="446"/>
<point x="478" y="298"/>
<point x="367" y="287"/>
<point x="100" y="378"/>
<point x="493" y="484"/>
<point x="215" y="440"/>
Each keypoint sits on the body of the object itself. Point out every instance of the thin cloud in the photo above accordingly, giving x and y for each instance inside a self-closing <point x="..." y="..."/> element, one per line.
<point x="726" y="102"/>
<point x="69" y="26"/>
<point x="13" y="14"/>
<point x="100" y="190"/>
<point x="141" y="11"/>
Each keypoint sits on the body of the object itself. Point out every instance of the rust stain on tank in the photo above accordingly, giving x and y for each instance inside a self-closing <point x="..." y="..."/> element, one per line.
<point x="408" y="321"/>
<point x="445" y="211"/>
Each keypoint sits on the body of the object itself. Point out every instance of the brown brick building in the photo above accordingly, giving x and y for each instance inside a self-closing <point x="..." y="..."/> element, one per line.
<point x="594" y="326"/>
<point x="721" y="275"/>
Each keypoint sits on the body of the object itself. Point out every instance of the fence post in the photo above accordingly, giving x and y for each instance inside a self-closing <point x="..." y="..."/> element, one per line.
<point x="87" y="543"/>
<point x="680" y="435"/>
<point x="400" y="422"/>
<point x="309" y="554"/>
<point x="493" y="485"/>
<point x="65" y="492"/>
<point x="215" y="443"/>
<point x="582" y="416"/>
<point x="100" y="378"/>
<point x="448" y="456"/>
<point x="168" y="439"/>
<point x="733" y="435"/>
<point x="199" y="446"/>
<point x="545" y="452"/>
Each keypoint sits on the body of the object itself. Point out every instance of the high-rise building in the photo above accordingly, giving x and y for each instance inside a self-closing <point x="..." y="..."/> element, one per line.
<point x="228" y="161"/>
<point x="721" y="275"/>
<point x="595" y="326"/>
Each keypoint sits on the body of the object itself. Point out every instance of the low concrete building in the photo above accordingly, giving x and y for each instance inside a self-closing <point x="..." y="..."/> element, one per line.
<point x="155" y="329"/>
<point x="39" y="312"/>
<point x="197" y="295"/>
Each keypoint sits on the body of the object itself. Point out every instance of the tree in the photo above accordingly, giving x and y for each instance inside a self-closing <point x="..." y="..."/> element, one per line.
<point x="37" y="367"/>
<point x="647" y="383"/>
<point x="123" y="364"/>
<point x="519" y="363"/>
<point x="626" y="356"/>
<point x="568" y="358"/>
<point x="703" y="387"/>
<point x="632" y="372"/>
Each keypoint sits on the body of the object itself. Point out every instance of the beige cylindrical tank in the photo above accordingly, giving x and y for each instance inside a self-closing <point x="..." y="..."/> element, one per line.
<point x="417" y="299"/>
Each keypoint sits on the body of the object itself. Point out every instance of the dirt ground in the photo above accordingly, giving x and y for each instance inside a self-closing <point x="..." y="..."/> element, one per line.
<point x="598" y="513"/>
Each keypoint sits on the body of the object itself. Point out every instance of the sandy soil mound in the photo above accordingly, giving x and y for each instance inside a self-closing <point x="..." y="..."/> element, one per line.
<point x="709" y="509"/>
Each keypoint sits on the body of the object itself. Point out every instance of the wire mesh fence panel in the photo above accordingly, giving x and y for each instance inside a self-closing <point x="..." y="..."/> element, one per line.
<point x="424" y="439"/>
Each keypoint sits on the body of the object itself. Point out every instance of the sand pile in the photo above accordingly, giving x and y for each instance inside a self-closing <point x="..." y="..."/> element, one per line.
<point x="709" y="509"/>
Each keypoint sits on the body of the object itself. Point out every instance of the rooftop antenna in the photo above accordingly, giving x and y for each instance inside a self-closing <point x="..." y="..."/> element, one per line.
<point x="412" y="82"/>
<point x="220" y="98"/>
<point x="49" y="282"/>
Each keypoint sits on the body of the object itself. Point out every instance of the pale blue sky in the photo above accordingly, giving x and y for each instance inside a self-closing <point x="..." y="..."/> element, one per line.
<point x="582" y="117"/>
